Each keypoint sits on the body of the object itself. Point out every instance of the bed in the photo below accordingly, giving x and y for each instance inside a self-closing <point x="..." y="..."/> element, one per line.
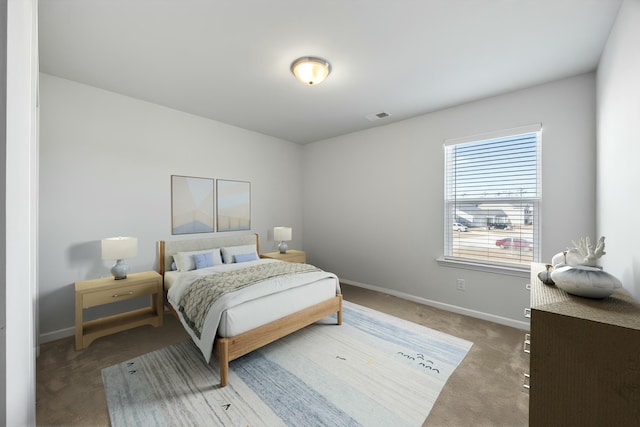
<point x="255" y="301"/>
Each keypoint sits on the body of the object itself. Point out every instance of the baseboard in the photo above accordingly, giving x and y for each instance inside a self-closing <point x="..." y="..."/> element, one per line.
<point x="447" y="307"/>
<point x="68" y="332"/>
<point x="56" y="335"/>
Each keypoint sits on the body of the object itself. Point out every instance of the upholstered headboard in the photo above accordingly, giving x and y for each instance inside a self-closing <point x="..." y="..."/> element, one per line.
<point x="166" y="249"/>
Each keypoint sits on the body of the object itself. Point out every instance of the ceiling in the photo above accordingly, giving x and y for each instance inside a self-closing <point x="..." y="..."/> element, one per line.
<point x="229" y="60"/>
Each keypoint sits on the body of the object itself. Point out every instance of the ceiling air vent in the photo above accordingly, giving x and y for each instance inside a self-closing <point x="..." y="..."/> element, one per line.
<point x="377" y="116"/>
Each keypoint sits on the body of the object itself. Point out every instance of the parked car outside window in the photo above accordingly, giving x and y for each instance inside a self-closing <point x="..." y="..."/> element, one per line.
<point x="499" y="226"/>
<point x="459" y="227"/>
<point x="515" y="243"/>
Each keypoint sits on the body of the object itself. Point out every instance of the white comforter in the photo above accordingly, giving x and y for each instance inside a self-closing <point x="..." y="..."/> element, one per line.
<point x="267" y="287"/>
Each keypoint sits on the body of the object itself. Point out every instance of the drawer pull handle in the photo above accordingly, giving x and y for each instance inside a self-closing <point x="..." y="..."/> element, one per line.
<point x="526" y="382"/>
<point x="527" y="312"/>
<point x="121" y="295"/>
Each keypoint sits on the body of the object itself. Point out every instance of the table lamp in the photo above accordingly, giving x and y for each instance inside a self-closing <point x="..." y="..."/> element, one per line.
<point x="119" y="248"/>
<point x="283" y="234"/>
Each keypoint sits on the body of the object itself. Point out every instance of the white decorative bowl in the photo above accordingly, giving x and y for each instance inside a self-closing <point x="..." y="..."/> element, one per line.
<point x="590" y="282"/>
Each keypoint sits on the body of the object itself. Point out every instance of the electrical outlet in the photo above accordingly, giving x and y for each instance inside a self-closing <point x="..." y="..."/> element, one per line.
<point x="461" y="285"/>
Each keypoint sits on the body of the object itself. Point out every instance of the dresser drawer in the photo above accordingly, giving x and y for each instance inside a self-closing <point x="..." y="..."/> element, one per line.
<point x="106" y="296"/>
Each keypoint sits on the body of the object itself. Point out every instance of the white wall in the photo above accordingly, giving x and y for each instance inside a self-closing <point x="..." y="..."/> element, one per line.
<point x="106" y="163"/>
<point x="373" y="204"/>
<point x="619" y="148"/>
<point x="21" y="211"/>
<point x="3" y="226"/>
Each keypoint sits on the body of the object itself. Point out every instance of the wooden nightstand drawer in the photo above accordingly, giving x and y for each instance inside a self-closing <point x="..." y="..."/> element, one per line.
<point x="123" y="293"/>
<point x="289" y="256"/>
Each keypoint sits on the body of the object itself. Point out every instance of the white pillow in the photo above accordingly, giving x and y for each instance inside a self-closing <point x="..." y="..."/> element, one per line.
<point x="229" y="252"/>
<point x="184" y="260"/>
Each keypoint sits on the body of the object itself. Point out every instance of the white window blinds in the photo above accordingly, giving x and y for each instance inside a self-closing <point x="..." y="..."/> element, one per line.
<point x="492" y="197"/>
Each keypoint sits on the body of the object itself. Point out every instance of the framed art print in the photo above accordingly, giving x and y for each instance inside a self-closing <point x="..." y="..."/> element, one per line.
<point x="191" y="205"/>
<point x="234" y="205"/>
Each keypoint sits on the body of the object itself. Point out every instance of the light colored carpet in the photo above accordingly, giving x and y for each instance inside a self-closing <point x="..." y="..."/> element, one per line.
<point x="373" y="370"/>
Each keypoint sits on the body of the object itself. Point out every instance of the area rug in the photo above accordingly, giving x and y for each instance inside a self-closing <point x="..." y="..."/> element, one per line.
<point x="373" y="370"/>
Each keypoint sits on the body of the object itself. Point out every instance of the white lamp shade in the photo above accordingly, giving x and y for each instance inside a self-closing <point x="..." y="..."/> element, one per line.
<point x="282" y="234"/>
<point x="119" y="247"/>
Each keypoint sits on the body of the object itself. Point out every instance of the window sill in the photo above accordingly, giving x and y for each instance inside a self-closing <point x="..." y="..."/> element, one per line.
<point x="510" y="270"/>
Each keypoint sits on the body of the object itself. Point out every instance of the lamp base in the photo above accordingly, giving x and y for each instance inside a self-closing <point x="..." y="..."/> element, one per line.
<point x="283" y="247"/>
<point x="119" y="270"/>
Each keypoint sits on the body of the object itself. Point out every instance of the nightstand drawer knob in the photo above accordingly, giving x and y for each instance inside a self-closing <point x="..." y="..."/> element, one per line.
<point x="122" y="295"/>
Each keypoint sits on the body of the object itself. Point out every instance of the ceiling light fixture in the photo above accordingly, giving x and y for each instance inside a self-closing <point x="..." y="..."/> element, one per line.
<point x="311" y="70"/>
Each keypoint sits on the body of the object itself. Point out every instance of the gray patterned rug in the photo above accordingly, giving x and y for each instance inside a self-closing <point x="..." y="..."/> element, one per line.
<point x="373" y="370"/>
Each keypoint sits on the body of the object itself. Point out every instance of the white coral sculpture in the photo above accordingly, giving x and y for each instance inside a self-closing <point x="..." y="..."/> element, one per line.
<point x="586" y="250"/>
<point x="582" y="254"/>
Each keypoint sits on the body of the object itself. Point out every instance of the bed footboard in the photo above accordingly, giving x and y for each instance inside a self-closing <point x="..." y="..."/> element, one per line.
<point x="228" y="349"/>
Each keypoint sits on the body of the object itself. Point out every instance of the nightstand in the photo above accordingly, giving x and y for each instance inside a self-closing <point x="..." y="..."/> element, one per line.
<point x="91" y="293"/>
<point x="290" y="256"/>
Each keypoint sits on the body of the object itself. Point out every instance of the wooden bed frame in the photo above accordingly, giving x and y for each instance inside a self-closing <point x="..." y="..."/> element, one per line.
<point x="228" y="349"/>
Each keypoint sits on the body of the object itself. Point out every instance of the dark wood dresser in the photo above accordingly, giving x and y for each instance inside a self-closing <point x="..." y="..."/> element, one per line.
<point x="584" y="358"/>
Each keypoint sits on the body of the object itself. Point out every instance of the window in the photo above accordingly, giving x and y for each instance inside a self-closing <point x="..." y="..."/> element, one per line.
<point x="492" y="198"/>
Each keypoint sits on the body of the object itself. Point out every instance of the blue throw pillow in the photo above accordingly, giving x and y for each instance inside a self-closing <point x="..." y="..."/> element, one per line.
<point x="245" y="257"/>
<point x="203" y="260"/>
